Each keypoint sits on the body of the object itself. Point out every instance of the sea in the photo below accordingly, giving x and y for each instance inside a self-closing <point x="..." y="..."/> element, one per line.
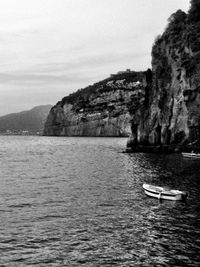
<point x="68" y="201"/>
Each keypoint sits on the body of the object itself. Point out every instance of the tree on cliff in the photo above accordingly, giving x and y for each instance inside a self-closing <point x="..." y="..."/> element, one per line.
<point x="194" y="12"/>
<point x="177" y="17"/>
<point x="176" y="22"/>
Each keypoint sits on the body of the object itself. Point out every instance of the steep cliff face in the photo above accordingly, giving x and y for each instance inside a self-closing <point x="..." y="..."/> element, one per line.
<point x="98" y="110"/>
<point x="173" y="113"/>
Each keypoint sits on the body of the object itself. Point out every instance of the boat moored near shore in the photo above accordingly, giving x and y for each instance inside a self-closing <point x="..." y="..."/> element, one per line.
<point x="191" y="155"/>
<point x="164" y="193"/>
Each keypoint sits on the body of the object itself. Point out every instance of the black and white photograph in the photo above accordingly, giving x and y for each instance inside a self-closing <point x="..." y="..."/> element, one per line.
<point x="99" y="133"/>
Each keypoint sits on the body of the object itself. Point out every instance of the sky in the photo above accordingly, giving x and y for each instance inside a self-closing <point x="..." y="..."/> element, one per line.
<point x="50" y="48"/>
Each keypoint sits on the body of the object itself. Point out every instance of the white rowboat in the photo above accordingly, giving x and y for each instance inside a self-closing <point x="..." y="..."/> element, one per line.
<point x="191" y="155"/>
<point x="163" y="193"/>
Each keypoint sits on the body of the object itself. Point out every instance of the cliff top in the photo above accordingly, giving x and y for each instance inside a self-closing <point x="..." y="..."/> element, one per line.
<point x="84" y="93"/>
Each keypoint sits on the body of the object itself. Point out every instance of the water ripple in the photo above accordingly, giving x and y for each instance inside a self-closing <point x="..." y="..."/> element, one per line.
<point x="79" y="202"/>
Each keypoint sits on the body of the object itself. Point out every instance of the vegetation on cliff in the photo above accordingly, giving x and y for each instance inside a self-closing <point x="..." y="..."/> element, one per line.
<point x="182" y="35"/>
<point x="82" y="95"/>
<point x="101" y="109"/>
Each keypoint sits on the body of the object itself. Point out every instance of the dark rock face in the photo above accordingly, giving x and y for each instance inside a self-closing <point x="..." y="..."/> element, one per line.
<point x="98" y="110"/>
<point x="171" y="117"/>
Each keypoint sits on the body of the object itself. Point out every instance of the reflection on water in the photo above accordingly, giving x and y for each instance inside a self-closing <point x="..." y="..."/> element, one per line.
<point x="79" y="202"/>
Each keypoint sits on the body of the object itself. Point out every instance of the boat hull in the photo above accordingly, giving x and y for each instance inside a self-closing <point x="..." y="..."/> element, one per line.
<point x="161" y="193"/>
<point x="191" y="155"/>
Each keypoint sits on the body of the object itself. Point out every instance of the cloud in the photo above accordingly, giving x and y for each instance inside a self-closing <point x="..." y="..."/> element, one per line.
<point x="37" y="79"/>
<point x="49" y="48"/>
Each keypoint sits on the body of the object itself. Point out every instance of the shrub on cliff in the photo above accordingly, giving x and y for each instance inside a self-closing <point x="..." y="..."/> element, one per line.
<point x="194" y="12"/>
<point x="82" y="96"/>
<point x="182" y="35"/>
<point x="175" y="28"/>
<point x="176" y="21"/>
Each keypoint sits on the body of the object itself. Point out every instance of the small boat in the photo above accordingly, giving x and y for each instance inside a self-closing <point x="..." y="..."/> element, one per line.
<point x="191" y="155"/>
<point x="164" y="193"/>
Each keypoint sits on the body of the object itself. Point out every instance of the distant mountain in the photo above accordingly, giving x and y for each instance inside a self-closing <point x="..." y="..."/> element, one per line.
<point x="25" y="122"/>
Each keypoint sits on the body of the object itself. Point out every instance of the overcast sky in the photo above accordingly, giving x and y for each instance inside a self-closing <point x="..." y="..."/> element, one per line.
<point x="50" y="48"/>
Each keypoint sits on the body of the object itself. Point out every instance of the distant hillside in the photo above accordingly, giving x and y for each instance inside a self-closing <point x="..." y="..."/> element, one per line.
<point x="25" y="122"/>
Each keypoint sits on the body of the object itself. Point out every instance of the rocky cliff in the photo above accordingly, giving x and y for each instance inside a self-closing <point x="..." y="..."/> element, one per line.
<point x="172" y="112"/>
<point x="98" y="110"/>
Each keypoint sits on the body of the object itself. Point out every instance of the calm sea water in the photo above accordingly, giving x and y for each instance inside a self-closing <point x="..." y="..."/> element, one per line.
<point x="79" y="202"/>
